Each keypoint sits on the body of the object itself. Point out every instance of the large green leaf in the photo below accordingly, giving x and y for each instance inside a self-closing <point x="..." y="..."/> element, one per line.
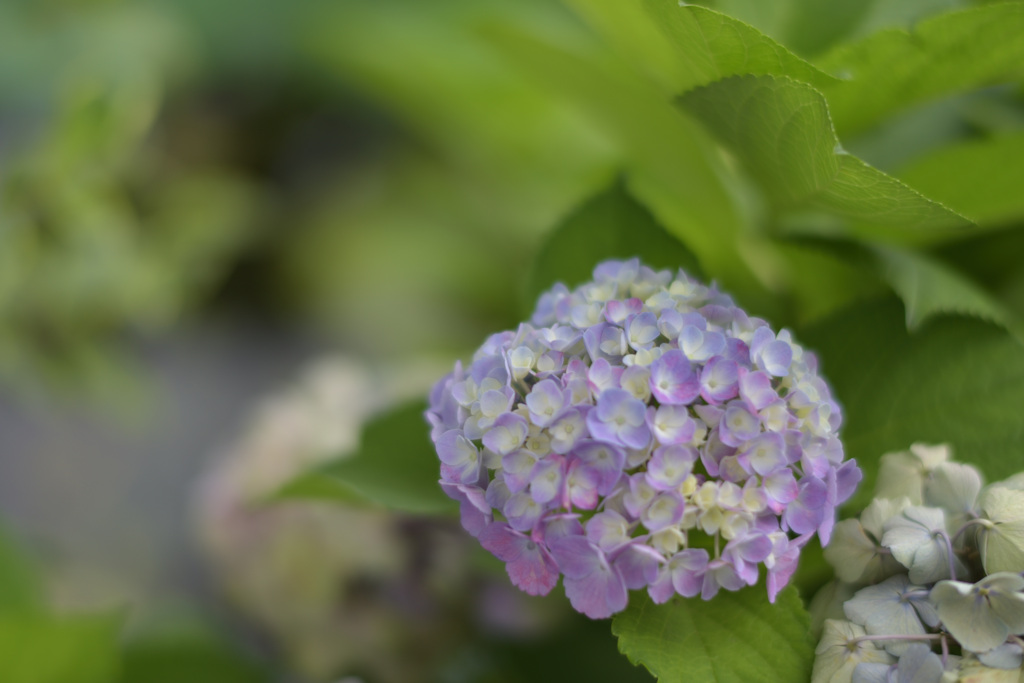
<point x="956" y="380"/>
<point x="44" y="649"/>
<point x="980" y="179"/>
<point x="713" y="46"/>
<point x="782" y="132"/>
<point x="734" y="638"/>
<point x="396" y="466"/>
<point x="949" y="53"/>
<point x="611" y="224"/>
<point x="687" y="46"/>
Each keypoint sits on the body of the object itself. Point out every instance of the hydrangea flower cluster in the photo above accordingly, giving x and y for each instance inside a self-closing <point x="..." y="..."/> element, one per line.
<point x="641" y="432"/>
<point x="930" y="584"/>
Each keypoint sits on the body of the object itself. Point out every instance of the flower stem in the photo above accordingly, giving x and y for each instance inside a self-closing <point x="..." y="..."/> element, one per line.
<point x="923" y="636"/>
<point x="951" y="556"/>
<point x="969" y="523"/>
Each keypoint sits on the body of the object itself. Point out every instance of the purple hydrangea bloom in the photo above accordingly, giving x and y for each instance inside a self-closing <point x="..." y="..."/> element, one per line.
<point x="630" y="418"/>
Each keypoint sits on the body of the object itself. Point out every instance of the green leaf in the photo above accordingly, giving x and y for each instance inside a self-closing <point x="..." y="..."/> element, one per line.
<point x="770" y="18"/>
<point x="611" y="224"/>
<point x="781" y="131"/>
<point x="714" y="46"/>
<point x="779" y="128"/>
<point x="928" y="287"/>
<point x="884" y="207"/>
<point x="689" y="46"/>
<point x="947" y="54"/>
<point x="396" y="467"/>
<point x="734" y="638"/>
<point x="43" y="649"/>
<point x="956" y="380"/>
<point x="980" y="179"/>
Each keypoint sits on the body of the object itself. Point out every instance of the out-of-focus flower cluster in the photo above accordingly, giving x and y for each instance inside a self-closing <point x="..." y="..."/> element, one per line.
<point x="641" y="432"/>
<point x="930" y="584"/>
<point x="342" y="589"/>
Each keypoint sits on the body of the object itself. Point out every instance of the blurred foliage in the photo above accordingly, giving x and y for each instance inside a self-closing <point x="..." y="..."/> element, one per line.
<point x="182" y="646"/>
<point x="390" y="175"/>
<point x="316" y="158"/>
<point x="583" y="650"/>
<point x="47" y="649"/>
<point x="39" y="647"/>
<point x="101" y="232"/>
<point x="20" y="588"/>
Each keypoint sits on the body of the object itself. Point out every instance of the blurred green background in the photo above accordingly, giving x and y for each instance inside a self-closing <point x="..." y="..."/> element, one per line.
<point x="198" y="199"/>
